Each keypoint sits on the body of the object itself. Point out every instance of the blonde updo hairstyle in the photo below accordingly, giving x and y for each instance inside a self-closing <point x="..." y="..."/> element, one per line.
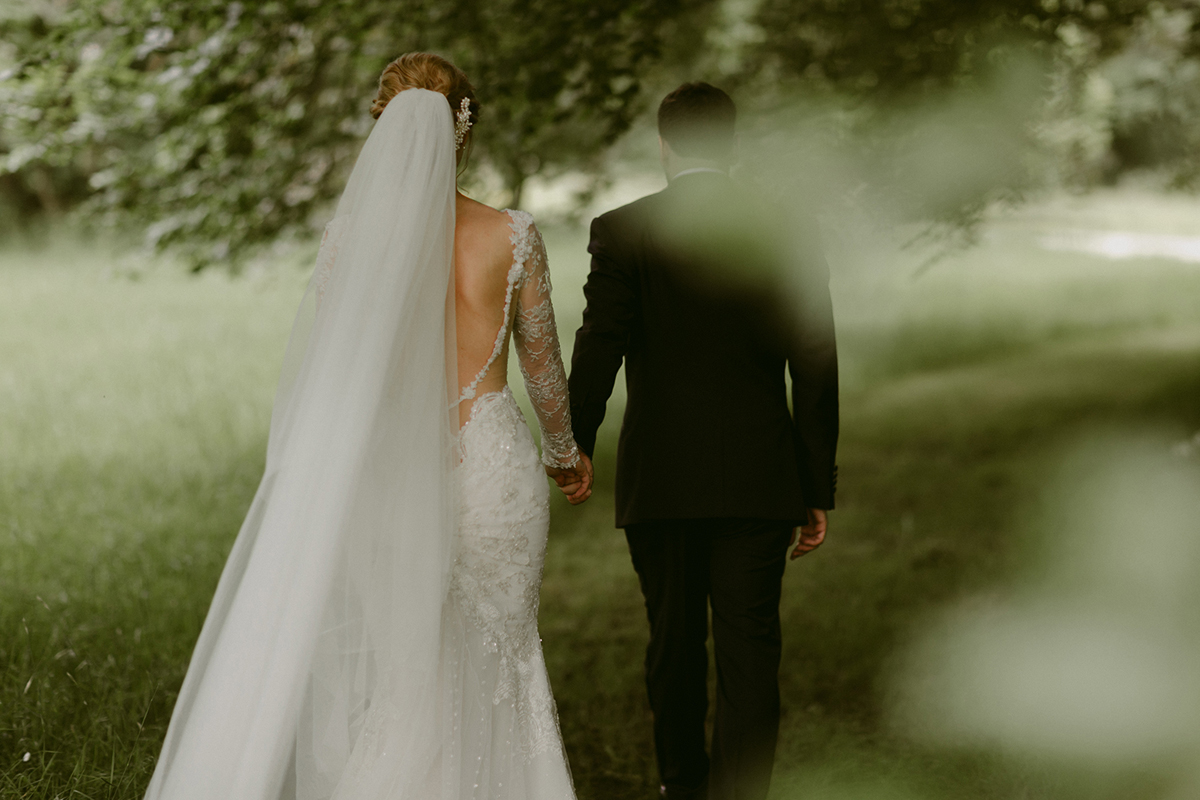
<point x="427" y="71"/>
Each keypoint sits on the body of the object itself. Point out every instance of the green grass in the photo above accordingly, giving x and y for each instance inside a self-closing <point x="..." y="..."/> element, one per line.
<point x="133" y="416"/>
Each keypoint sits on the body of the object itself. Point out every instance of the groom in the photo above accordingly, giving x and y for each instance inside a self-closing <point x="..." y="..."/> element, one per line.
<point x="706" y="293"/>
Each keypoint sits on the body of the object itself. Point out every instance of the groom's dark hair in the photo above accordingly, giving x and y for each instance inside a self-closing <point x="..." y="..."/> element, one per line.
<point x="697" y="120"/>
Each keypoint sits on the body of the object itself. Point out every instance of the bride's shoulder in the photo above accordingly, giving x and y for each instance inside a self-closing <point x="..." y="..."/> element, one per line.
<point x="484" y="218"/>
<point x="507" y="223"/>
<point x="490" y="231"/>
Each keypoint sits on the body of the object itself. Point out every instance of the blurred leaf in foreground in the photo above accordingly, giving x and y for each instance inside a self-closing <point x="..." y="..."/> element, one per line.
<point x="1096" y="664"/>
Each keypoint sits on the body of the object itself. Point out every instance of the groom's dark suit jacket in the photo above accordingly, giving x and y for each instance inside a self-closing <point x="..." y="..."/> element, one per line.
<point x="706" y="294"/>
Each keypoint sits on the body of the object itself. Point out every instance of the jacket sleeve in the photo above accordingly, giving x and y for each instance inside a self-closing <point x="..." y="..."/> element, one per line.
<point x="603" y="339"/>
<point x="812" y="363"/>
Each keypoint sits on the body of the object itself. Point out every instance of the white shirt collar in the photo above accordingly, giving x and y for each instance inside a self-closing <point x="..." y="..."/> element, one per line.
<point x="700" y="169"/>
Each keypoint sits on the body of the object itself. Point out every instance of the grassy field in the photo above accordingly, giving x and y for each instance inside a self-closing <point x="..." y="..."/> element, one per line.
<point x="133" y="413"/>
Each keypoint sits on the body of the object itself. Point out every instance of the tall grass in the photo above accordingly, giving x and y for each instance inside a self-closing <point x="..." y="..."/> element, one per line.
<point x="133" y="415"/>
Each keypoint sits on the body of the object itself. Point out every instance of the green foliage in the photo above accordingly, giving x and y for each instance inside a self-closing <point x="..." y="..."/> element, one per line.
<point x="1137" y="108"/>
<point x="884" y="47"/>
<point x="1121" y="88"/>
<point x="936" y="110"/>
<point x="219" y="125"/>
<point x="216" y="127"/>
<point x="560" y="81"/>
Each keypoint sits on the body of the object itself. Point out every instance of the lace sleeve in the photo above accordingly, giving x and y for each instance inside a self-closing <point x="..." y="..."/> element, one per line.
<point x="535" y="336"/>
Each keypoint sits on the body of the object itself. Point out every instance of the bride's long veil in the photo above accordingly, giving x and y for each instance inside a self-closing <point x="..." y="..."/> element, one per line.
<point x="329" y="607"/>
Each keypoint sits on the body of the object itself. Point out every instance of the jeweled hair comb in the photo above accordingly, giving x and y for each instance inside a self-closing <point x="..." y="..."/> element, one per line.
<point x="462" y="122"/>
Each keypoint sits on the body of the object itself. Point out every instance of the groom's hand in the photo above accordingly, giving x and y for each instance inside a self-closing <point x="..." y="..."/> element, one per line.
<point x="575" y="482"/>
<point x="807" y="538"/>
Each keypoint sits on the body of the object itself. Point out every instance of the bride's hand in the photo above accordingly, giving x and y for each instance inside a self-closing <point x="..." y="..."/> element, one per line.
<point x="574" y="482"/>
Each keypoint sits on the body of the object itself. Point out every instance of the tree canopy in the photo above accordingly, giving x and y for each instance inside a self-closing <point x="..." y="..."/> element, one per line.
<point x="220" y="125"/>
<point x="216" y="126"/>
<point x="884" y="46"/>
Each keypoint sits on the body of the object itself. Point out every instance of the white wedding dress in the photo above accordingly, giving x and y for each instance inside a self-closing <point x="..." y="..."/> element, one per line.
<point x="374" y="633"/>
<point x="501" y="731"/>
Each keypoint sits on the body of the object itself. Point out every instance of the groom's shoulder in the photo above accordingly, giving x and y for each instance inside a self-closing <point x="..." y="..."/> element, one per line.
<point x="630" y="216"/>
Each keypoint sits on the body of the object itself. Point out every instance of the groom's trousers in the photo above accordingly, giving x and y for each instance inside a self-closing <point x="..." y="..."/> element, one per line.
<point x="736" y="565"/>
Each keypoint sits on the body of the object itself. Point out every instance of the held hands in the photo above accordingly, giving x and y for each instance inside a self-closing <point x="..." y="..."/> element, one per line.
<point x="807" y="538"/>
<point x="575" y="482"/>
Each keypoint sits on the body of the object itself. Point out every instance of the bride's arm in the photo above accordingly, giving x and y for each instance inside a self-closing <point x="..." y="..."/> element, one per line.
<point x="535" y="336"/>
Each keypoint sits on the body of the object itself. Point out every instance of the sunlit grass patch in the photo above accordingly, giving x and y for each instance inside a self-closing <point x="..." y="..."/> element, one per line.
<point x="132" y="424"/>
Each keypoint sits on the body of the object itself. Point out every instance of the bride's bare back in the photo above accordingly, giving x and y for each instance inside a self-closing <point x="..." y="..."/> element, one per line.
<point x="483" y="255"/>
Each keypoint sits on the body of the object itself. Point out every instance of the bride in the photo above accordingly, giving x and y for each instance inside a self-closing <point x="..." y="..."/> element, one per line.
<point x="374" y="633"/>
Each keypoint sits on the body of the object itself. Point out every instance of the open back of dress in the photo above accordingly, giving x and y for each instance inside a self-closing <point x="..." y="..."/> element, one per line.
<point x="529" y="314"/>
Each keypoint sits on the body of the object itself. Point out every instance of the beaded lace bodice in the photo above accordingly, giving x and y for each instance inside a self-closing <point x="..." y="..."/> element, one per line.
<point x="529" y="313"/>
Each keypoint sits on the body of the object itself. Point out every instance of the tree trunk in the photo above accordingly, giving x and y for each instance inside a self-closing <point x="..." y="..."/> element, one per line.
<point x="516" y="186"/>
<point x="43" y="187"/>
